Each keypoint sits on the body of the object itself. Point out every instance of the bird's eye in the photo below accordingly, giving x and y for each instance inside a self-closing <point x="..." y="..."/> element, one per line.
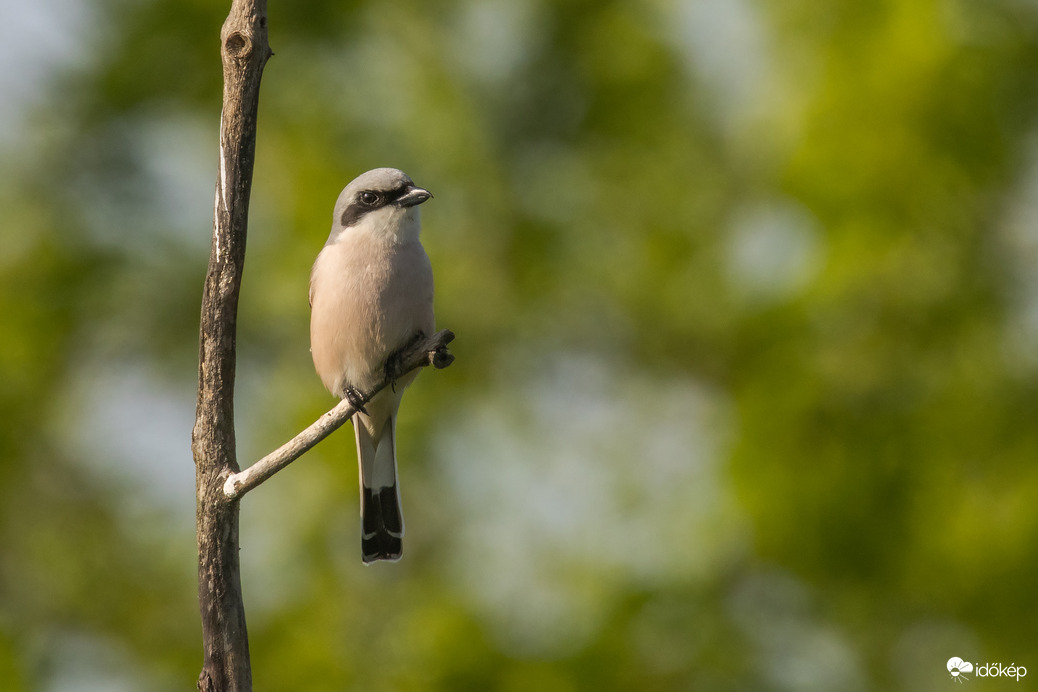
<point x="368" y="198"/>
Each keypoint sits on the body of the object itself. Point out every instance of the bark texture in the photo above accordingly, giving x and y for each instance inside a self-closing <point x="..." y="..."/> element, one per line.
<point x="245" y="51"/>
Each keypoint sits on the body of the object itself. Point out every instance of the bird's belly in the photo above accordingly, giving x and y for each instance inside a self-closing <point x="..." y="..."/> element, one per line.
<point x="362" y="313"/>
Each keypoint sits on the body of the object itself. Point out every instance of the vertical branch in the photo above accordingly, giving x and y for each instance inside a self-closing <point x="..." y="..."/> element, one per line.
<point x="244" y="50"/>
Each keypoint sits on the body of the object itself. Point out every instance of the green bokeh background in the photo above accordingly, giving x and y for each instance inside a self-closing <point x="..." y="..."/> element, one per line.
<point x="746" y="390"/>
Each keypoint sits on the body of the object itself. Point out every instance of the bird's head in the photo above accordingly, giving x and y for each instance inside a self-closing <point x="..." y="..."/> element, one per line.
<point x="383" y="201"/>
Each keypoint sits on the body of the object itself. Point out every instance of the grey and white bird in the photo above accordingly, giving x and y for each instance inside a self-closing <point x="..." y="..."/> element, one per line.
<point x="371" y="293"/>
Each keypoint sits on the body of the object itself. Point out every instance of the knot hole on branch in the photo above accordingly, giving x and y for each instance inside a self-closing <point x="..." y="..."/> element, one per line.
<point x="238" y="45"/>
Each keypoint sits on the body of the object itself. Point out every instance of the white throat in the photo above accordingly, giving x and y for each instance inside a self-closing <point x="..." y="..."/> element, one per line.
<point x="391" y="225"/>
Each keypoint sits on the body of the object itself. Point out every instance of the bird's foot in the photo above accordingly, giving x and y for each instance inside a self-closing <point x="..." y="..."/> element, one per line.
<point x="395" y="362"/>
<point x="356" y="399"/>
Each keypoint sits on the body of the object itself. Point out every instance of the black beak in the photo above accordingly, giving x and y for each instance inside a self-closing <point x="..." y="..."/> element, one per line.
<point x="413" y="196"/>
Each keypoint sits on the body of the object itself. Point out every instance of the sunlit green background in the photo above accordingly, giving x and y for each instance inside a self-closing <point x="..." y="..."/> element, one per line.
<point x="746" y="391"/>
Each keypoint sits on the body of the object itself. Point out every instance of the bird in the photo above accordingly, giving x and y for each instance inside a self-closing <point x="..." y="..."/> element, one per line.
<point x="371" y="294"/>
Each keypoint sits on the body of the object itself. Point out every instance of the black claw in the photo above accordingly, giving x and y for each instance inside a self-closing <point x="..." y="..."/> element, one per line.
<point x="356" y="399"/>
<point x="395" y="362"/>
<point x="393" y="367"/>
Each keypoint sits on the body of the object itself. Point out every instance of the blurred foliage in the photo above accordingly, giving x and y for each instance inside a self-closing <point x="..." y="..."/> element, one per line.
<point x="745" y="296"/>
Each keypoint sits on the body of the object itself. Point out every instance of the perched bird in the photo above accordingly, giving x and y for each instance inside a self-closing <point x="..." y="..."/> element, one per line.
<point x="371" y="294"/>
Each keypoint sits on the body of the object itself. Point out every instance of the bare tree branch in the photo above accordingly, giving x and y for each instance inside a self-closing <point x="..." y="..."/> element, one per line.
<point x="430" y="350"/>
<point x="244" y="50"/>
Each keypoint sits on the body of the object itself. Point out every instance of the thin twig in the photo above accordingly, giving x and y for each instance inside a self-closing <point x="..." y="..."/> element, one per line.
<point x="431" y="350"/>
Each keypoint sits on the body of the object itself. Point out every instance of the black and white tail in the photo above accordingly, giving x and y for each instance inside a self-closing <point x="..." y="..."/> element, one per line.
<point x="382" y="523"/>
